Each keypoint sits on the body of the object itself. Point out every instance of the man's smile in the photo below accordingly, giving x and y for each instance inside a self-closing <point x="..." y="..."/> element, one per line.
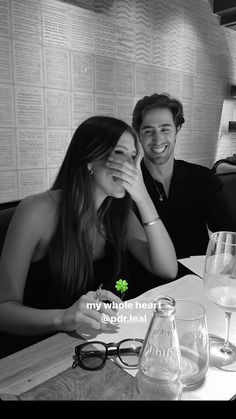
<point x="158" y="149"/>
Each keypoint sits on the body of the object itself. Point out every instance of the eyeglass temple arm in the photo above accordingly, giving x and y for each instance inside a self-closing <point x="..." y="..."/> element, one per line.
<point x="111" y="351"/>
<point x="129" y="350"/>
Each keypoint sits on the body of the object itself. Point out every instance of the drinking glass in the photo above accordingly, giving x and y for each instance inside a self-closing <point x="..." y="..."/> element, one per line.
<point x="220" y="287"/>
<point x="190" y="318"/>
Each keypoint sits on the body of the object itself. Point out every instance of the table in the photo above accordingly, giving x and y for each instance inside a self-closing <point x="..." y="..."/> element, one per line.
<point x="218" y="385"/>
<point x="43" y="371"/>
<point x="195" y="264"/>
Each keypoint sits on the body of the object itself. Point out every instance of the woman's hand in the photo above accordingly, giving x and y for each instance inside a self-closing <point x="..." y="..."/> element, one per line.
<point x="129" y="175"/>
<point x="90" y="312"/>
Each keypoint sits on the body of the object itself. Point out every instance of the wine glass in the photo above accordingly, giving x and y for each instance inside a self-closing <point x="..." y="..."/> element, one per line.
<point x="220" y="287"/>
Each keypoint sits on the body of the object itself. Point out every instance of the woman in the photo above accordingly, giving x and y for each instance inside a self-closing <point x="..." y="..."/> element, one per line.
<point x="80" y="230"/>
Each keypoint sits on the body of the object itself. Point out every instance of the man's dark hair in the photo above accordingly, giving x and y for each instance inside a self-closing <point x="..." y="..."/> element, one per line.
<point x="156" y="100"/>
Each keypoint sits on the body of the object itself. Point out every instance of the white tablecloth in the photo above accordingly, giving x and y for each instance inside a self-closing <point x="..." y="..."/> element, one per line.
<point x="218" y="385"/>
<point x="195" y="264"/>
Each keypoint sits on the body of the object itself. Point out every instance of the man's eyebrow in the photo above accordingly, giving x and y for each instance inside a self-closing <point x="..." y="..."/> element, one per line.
<point x="147" y="126"/>
<point x="161" y="125"/>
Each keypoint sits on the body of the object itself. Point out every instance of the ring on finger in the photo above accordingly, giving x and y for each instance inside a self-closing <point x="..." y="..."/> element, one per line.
<point x="99" y="293"/>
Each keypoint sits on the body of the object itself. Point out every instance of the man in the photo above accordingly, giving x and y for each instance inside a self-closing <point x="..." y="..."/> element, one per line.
<point x="185" y="194"/>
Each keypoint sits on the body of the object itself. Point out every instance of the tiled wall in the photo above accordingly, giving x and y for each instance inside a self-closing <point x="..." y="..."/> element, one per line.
<point x="62" y="61"/>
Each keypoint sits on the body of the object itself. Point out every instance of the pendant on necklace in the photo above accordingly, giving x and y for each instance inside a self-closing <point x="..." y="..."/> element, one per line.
<point x="160" y="195"/>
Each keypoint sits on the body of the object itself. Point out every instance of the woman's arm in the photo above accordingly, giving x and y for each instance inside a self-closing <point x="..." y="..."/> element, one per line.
<point x="26" y="230"/>
<point x="151" y="245"/>
<point x="29" y="232"/>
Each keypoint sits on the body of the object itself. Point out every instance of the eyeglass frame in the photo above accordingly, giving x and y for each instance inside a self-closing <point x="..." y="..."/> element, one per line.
<point x="114" y="345"/>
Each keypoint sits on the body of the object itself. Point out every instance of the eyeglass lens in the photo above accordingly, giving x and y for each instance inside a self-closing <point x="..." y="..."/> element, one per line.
<point x="92" y="357"/>
<point x="128" y="352"/>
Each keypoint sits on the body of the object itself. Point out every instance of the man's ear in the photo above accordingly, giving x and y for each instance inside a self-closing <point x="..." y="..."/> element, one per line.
<point x="177" y="132"/>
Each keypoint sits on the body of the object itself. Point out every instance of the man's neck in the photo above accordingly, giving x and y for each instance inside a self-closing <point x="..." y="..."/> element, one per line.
<point x="162" y="173"/>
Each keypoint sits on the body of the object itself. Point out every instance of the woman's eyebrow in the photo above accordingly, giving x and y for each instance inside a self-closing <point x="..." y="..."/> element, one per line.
<point x="125" y="148"/>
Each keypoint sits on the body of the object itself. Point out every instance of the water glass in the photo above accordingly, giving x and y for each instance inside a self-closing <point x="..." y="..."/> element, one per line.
<point x="194" y="342"/>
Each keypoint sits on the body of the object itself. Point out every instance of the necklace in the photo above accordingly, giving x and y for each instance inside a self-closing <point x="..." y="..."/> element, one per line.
<point x="161" y="196"/>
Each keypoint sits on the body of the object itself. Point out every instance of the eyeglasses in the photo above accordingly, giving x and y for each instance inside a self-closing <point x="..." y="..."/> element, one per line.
<point x="93" y="355"/>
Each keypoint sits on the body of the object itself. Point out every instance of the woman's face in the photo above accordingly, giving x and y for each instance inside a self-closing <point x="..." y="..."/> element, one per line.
<point x="104" y="182"/>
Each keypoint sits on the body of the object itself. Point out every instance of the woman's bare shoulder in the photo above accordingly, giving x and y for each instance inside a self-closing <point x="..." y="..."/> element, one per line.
<point x="39" y="208"/>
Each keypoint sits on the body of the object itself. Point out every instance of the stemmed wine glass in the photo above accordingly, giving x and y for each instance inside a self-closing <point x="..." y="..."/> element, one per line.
<point x="220" y="287"/>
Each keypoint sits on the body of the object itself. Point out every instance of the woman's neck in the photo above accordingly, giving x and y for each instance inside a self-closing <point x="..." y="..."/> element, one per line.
<point x="99" y="197"/>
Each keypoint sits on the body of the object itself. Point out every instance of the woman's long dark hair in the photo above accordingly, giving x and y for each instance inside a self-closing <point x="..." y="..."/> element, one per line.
<point x="70" y="250"/>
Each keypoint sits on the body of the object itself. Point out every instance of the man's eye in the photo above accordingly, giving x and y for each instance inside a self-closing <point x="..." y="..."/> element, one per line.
<point x="118" y="152"/>
<point x="147" y="132"/>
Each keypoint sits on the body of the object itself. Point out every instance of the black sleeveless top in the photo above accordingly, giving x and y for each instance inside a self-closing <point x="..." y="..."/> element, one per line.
<point x="41" y="292"/>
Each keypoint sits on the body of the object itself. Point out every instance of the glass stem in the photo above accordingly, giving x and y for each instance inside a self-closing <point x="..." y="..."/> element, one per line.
<point x="226" y="347"/>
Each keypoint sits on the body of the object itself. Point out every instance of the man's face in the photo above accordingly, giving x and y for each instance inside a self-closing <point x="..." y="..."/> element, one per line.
<point x="158" y="135"/>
